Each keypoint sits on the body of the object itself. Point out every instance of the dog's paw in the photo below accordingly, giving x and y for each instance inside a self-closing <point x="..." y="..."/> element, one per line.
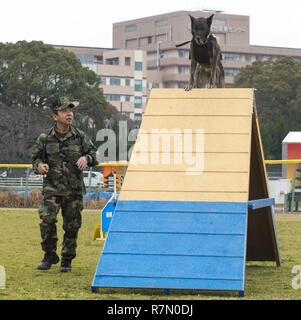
<point x="188" y="87"/>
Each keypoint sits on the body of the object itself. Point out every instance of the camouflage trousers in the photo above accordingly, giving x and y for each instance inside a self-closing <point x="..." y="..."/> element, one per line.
<point x="71" y="208"/>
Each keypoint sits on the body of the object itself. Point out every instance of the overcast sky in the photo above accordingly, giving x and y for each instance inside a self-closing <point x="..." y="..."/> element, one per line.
<point x="89" y="22"/>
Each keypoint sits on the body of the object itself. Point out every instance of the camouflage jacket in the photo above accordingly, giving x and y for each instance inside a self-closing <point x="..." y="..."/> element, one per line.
<point x="61" y="154"/>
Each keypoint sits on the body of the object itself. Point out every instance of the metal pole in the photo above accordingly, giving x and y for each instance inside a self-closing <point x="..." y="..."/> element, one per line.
<point x="115" y="186"/>
<point x="26" y="188"/>
<point x="90" y="179"/>
<point x="293" y="190"/>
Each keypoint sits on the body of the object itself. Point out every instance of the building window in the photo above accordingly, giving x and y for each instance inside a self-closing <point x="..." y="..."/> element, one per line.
<point x="248" y="57"/>
<point x="259" y="57"/>
<point x="127" y="98"/>
<point x="182" y="70"/>
<point x="131" y="28"/>
<point x="114" y="81"/>
<point x="181" y="53"/>
<point x="155" y="85"/>
<point x="231" y="72"/>
<point x="127" y="61"/>
<point x="112" y="61"/>
<point x="161" y="23"/>
<point x="87" y="61"/>
<point x="182" y="85"/>
<point x="128" y="82"/>
<point x="138" y="117"/>
<point x="138" y="102"/>
<point x="138" y="85"/>
<point x="145" y="41"/>
<point x="98" y="59"/>
<point x="103" y="80"/>
<point x="85" y="58"/>
<point x="232" y="56"/>
<point x="219" y="23"/>
<point x="138" y="66"/>
<point x="113" y="97"/>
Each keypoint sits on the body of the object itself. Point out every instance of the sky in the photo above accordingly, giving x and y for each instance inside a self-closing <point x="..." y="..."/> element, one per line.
<point x="89" y="22"/>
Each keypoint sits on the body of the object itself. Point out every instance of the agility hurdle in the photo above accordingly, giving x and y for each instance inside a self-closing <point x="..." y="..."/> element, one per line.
<point x="171" y="230"/>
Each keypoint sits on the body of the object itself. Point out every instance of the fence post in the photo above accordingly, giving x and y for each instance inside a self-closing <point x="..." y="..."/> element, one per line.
<point x="90" y="179"/>
<point x="26" y="188"/>
<point x="97" y="192"/>
<point x="293" y="191"/>
<point x="115" y="185"/>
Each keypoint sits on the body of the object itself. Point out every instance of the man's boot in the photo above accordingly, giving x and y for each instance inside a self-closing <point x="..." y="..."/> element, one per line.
<point x="48" y="260"/>
<point x="66" y="265"/>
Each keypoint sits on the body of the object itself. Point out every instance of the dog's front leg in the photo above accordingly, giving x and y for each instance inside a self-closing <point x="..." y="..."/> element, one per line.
<point x="192" y="72"/>
<point x="192" y="76"/>
<point x="212" y="82"/>
<point x="214" y="62"/>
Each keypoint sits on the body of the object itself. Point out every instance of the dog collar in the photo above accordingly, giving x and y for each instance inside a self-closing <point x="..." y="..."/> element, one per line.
<point x="209" y="34"/>
<point x="184" y="43"/>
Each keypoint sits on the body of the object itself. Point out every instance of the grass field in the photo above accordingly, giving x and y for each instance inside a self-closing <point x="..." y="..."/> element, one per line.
<point x="20" y="252"/>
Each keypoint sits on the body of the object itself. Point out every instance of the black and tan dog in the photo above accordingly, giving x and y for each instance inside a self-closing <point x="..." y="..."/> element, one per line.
<point x="206" y="69"/>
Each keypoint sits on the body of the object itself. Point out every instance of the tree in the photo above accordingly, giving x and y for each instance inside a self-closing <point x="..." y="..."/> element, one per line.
<point x="32" y="74"/>
<point x="278" y="99"/>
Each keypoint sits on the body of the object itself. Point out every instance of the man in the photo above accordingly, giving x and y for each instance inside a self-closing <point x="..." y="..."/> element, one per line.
<point x="60" y="155"/>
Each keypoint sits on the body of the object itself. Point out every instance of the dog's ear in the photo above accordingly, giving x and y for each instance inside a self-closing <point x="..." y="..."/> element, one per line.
<point x="209" y="21"/>
<point x="192" y="19"/>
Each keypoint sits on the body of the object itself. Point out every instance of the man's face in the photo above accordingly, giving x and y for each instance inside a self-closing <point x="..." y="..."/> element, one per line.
<point x="64" y="117"/>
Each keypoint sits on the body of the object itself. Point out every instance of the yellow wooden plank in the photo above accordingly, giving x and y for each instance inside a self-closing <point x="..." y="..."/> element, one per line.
<point x="225" y="116"/>
<point x="178" y="181"/>
<point x="216" y="107"/>
<point x="216" y="124"/>
<point x="213" y="162"/>
<point x="229" y="143"/>
<point x="183" y="196"/>
<point x="16" y="166"/>
<point x="226" y="93"/>
<point x="283" y="161"/>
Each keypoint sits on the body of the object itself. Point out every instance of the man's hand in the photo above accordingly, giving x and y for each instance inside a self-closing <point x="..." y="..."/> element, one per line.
<point x="82" y="163"/>
<point x="43" y="168"/>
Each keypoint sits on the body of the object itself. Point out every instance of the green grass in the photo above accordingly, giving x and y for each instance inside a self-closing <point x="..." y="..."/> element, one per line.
<point x="20" y="252"/>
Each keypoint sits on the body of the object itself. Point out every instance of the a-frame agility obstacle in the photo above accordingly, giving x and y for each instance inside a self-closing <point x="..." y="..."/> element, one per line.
<point x="173" y="230"/>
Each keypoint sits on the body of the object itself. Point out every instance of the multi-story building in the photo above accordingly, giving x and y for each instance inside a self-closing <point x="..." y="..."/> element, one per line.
<point x="123" y="76"/>
<point x="168" y="66"/>
<point x="145" y="56"/>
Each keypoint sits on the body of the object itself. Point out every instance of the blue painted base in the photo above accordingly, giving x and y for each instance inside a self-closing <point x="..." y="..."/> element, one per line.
<point x="175" y="245"/>
<point x="107" y="214"/>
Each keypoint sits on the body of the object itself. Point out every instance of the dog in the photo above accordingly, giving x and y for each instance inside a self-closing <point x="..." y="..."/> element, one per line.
<point x="206" y="69"/>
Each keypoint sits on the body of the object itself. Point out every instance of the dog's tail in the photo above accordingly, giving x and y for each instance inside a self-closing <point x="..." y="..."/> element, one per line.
<point x="183" y="44"/>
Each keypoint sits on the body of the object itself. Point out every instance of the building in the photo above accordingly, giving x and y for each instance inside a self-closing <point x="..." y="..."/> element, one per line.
<point x="168" y="66"/>
<point x="291" y="150"/>
<point x="144" y="55"/>
<point x="123" y="76"/>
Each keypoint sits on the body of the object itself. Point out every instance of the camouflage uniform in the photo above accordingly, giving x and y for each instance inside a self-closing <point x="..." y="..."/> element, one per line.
<point x="63" y="187"/>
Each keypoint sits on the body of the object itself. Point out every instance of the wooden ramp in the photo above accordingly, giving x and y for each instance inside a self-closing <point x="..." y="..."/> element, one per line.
<point x="183" y="218"/>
